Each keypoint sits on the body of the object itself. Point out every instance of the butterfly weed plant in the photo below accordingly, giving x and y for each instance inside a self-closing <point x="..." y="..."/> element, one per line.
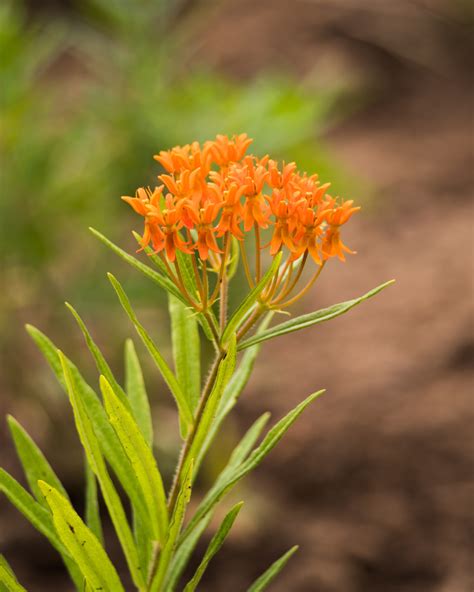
<point x="215" y="208"/>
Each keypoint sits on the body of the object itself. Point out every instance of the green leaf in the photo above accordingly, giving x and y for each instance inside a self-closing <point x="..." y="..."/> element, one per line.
<point x="92" y="512"/>
<point x="135" y="388"/>
<point x="34" y="463"/>
<point x="224" y="373"/>
<point x="255" y="458"/>
<point x="242" y="450"/>
<point x="8" y="580"/>
<point x="183" y="553"/>
<point x="100" y="361"/>
<point x="94" y="456"/>
<point x="174" y="529"/>
<point x="272" y="571"/>
<point x="232" y="391"/>
<point x="82" y="544"/>
<point x="186" y="547"/>
<point x="186" y="350"/>
<point x="250" y="300"/>
<point x="141" y="458"/>
<point x="32" y="510"/>
<point x="39" y="517"/>
<point x="162" y="280"/>
<point x="156" y="277"/>
<point x="109" y="442"/>
<point x="312" y="318"/>
<point x="214" y="546"/>
<point x="187" y="272"/>
<point x="151" y="254"/>
<point x="185" y="413"/>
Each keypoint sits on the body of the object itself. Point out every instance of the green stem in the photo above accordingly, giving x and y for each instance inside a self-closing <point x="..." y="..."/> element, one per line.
<point x="192" y="432"/>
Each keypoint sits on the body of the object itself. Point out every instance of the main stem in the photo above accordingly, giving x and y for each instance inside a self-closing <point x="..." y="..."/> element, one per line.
<point x="192" y="432"/>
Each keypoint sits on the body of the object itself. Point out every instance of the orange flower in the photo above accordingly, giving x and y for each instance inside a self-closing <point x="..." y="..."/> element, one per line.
<point x="232" y="209"/>
<point x="181" y="158"/>
<point x="277" y="179"/>
<point x="332" y="245"/>
<point x="251" y="175"/>
<point x="202" y="220"/>
<point x="308" y="234"/>
<point x="285" y="211"/>
<point x="225" y="150"/>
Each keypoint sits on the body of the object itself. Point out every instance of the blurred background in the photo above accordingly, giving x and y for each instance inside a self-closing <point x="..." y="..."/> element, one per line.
<point x="375" y="480"/>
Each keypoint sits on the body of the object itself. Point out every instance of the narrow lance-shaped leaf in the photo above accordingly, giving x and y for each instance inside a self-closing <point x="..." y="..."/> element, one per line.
<point x="269" y="442"/>
<point x="242" y="450"/>
<point x="8" y="580"/>
<point x="156" y="277"/>
<point x="34" y="463"/>
<point x="92" y="512"/>
<point x="224" y="373"/>
<point x="189" y="282"/>
<point x="106" y="436"/>
<point x="250" y="300"/>
<point x="40" y="518"/>
<point x="185" y="413"/>
<point x="176" y="522"/>
<point x="135" y="388"/>
<point x="232" y="391"/>
<point x="32" y="510"/>
<point x="141" y="459"/>
<point x="187" y="546"/>
<point x="97" y="464"/>
<point x="186" y="350"/>
<point x="101" y="363"/>
<point x="216" y="543"/>
<point x="83" y="545"/>
<point x="310" y="319"/>
<point x="266" y="578"/>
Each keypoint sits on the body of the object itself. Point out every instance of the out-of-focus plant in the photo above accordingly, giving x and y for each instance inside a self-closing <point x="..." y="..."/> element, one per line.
<point x="115" y="82"/>
<point x="198" y="225"/>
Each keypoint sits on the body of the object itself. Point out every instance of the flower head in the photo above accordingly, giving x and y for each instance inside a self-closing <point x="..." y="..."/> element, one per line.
<point x="215" y="192"/>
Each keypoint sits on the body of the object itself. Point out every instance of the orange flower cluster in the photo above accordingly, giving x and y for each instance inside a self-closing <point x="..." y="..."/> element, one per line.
<point x="215" y="191"/>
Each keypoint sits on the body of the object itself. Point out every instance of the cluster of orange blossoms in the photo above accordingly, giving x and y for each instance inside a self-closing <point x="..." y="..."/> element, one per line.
<point x="215" y="191"/>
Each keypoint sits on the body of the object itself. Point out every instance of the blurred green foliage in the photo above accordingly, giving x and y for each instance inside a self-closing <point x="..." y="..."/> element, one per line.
<point x="85" y="103"/>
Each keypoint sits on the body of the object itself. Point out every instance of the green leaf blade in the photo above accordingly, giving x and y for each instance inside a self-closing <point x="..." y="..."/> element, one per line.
<point x="270" y="574"/>
<point x="185" y="413"/>
<point x="186" y="350"/>
<point x="225" y="370"/>
<point x="97" y="463"/>
<point x="34" y="462"/>
<point x="269" y="442"/>
<point x="136" y="392"/>
<point x="109" y="443"/>
<point x="175" y="526"/>
<point x="312" y="318"/>
<point x="141" y="459"/>
<point x="156" y="277"/>
<point x="92" y="511"/>
<point x="82" y="544"/>
<point x="8" y="580"/>
<point x="32" y="510"/>
<point x="101" y="363"/>
<point x="214" y="546"/>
